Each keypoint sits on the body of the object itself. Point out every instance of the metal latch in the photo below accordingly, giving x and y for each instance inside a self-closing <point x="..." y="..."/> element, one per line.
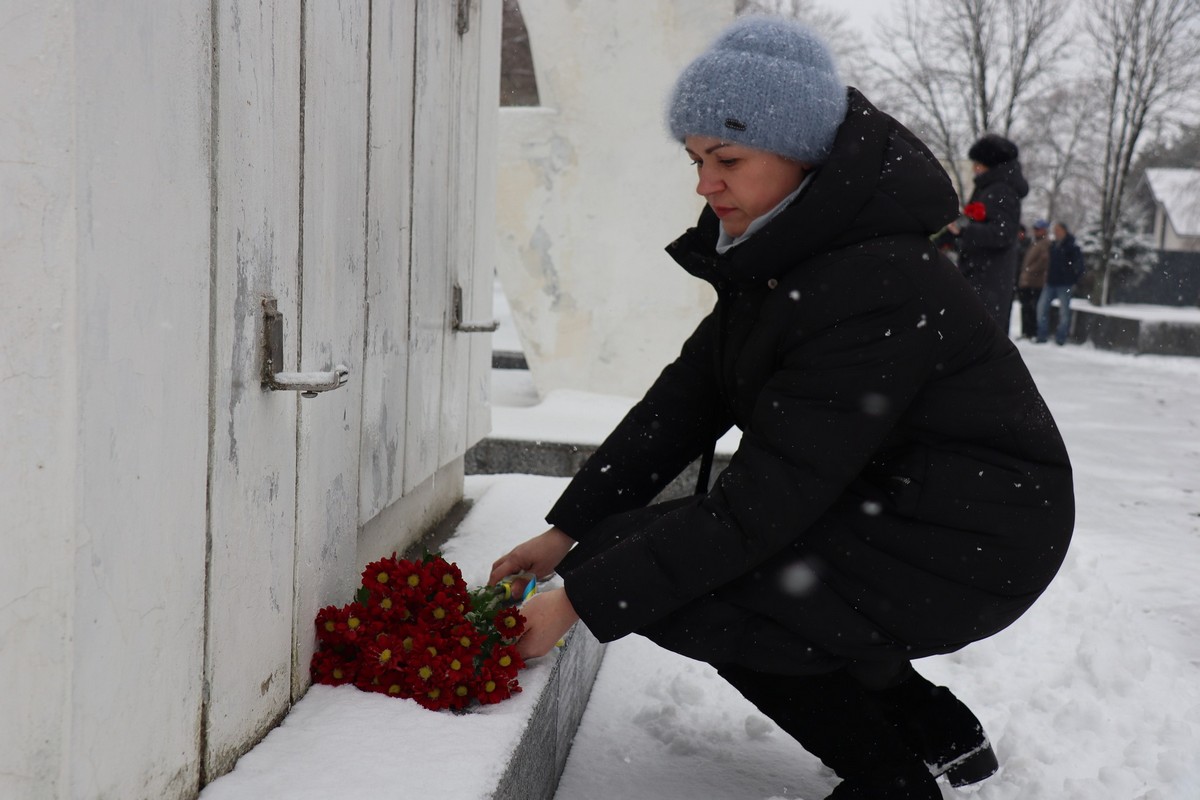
<point x="309" y="384"/>
<point x="469" y="327"/>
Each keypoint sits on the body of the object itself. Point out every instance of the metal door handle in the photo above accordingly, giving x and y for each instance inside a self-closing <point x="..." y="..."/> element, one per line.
<point x="462" y="326"/>
<point x="307" y="383"/>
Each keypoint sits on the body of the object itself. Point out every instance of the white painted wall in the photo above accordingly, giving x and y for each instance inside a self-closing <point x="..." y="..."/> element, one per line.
<point x="37" y="393"/>
<point x="591" y="188"/>
<point x="153" y="497"/>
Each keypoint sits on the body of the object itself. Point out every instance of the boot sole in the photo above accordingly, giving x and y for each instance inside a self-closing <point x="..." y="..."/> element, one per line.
<point x="972" y="767"/>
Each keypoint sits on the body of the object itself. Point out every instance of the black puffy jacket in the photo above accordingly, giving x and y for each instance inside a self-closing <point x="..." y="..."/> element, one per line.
<point x="900" y="485"/>
<point x="988" y="251"/>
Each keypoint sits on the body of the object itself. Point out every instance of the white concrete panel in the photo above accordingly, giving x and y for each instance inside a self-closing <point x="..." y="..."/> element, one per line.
<point x="464" y="133"/>
<point x="479" y="287"/>
<point x="37" y="393"/>
<point x="591" y="189"/>
<point x="429" y="278"/>
<point x="389" y="216"/>
<point x="143" y="106"/>
<point x="333" y="254"/>
<point x="253" y="469"/>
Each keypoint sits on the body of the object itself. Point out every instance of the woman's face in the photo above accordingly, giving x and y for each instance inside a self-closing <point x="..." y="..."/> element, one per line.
<point x="741" y="183"/>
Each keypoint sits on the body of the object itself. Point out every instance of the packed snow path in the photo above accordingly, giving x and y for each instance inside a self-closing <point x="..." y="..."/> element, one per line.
<point x="1093" y="695"/>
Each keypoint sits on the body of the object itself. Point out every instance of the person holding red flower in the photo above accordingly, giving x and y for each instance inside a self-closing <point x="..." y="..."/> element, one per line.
<point x="987" y="245"/>
<point x="900" y="488"/>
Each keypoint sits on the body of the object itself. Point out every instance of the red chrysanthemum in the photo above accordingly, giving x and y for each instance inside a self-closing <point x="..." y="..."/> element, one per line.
<point x="415" y="631"/>
<point x="975" y="212"/>
<point x="510" y="623"/>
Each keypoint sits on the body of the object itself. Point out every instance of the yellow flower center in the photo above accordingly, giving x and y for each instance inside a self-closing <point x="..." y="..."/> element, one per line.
<point x="414" y="580"/>
<point x="448" y="579"/>
<point x="329" y="626"/>
<point x="408" y="644"/>
<point x="505" y="660"/>
<point x="337" y="673"/>
<point x="510" y="622"/>
<point x="353" y="623"/>
<point x="382" y="577"/>
<point x="385" y="656"/>
<point x="394" y="689"/>
<point x="435" y="693"/>
<point x="465" y="641"/>
<point x="386" y="603"/>
<point x="425" y="672"/>
<point x="489" y="686"/>
<point x="431" y="650"/>
<point x="461" y="691"/>
<point x="456" y="665"/>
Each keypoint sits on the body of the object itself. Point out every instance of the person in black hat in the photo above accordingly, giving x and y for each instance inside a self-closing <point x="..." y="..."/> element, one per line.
<point x="1033" y="277"/>
<point x="987" y="249"/>
<point x="900" y="488"/>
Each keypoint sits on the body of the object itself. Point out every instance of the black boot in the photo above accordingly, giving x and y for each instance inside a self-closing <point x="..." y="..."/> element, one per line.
<point x="832" y="717"/>
<point x="944" y="731"/>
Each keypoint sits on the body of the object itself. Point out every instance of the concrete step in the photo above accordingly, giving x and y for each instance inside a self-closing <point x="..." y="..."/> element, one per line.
<point x="501" y="456"/>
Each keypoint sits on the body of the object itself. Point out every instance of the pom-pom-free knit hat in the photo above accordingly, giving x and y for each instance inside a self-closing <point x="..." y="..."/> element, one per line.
<point x="766" y="82"/>
<point x="992" y="150"/>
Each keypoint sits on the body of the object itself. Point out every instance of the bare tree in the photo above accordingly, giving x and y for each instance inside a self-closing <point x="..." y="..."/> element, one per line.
<point x="962" y="68"/>
<point x="1062" y="138"/>
<point x="849" y="49"/>
<point x="1146" y="52"/>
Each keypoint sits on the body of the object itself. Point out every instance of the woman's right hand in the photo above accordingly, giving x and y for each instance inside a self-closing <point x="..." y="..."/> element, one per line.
<point x="539" y="555"/>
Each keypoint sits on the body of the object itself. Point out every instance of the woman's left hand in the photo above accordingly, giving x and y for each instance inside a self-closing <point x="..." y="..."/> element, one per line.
<point x="548" y="617"/>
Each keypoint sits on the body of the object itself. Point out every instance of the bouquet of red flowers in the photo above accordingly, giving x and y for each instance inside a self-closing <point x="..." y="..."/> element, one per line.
<point x="972" y="212"/>
<point x="414" y="630"/>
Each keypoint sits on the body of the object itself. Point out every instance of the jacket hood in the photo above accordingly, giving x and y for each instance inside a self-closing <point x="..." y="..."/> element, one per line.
<point x="879" y="180"/>
<point x="1008" y="172"/>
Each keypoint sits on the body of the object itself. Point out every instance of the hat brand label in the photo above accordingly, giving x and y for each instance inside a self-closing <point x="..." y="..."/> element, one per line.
<point x="736" y="125"/>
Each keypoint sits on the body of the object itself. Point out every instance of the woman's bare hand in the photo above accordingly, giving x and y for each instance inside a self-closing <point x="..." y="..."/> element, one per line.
<point x="548" y="617"/>
<point x="539" y="555"/>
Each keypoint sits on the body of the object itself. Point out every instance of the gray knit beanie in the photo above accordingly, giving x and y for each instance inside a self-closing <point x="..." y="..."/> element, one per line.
<point x="766" y="82"/>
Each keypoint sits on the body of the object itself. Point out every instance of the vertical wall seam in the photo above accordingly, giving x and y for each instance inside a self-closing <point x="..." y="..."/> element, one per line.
<point x="213" y="194"/>
<point x="299" y="339"/>
<point x="412" y="184"/>
<point x="366" y="261"/>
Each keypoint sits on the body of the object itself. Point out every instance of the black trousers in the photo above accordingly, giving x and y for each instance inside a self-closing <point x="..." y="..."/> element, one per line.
<point x="1029" y="298"/>
<point x="834" y="717"/>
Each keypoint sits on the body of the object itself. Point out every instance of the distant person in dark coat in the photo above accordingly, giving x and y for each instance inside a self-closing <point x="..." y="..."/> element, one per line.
<point x="987" y="250"/>
<point x="1066" y="268"/>
<point x="900" y="488"/>
<point x="1033" y="277"/>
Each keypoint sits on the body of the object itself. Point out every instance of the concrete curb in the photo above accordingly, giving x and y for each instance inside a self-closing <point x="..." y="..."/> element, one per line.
<point x="1133" y="335"/>
<point x="541" y="755"/>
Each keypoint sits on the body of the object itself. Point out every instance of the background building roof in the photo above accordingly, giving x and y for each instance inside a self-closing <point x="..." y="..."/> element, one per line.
<point x="1178" y="190"/>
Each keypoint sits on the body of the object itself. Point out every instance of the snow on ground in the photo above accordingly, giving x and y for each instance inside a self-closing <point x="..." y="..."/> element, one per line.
<point x="1093" y="695"/>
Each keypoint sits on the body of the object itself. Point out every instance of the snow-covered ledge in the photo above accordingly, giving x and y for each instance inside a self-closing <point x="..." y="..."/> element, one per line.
<point x="341" y="742"/>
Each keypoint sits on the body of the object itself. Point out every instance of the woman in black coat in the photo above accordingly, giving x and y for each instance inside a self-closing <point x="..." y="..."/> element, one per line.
<point x="988" y="249"/>
<point x="900" y="488"/>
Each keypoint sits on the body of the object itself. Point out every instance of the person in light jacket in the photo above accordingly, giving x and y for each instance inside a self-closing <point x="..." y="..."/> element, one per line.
<point x="900" y="489"/>
<point x="1033" y="277"/>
